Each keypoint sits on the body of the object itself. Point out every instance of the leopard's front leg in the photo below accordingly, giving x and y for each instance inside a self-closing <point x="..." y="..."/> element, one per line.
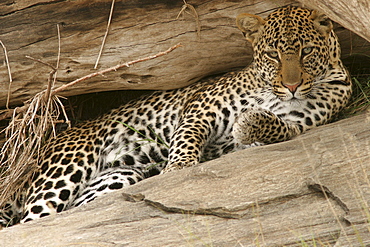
<point x="263" y="126"/>
<point x="188" y="142"/>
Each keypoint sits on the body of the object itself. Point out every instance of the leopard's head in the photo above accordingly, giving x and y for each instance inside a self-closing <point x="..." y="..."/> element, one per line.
<point x="294" y="48"/>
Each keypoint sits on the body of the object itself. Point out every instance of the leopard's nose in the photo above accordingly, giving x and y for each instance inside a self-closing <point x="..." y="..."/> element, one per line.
<point x="292" y="88"/>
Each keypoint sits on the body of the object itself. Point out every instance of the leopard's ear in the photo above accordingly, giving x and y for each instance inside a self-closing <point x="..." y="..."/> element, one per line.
<point x="322" y="23"/>
<point x="249" y="25"/>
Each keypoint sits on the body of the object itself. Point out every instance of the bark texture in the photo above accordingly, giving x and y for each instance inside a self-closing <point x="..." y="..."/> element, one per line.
<point x="352" y="14"/>
<point x="139" y="28"/>
<point x="310" y="191"/>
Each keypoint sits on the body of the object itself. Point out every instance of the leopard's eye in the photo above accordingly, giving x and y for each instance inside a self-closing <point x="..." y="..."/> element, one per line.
<point x="272" y="54"/>
<point x="307" y="50"/>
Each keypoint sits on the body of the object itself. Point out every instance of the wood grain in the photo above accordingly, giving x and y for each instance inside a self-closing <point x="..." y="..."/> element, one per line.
<point x="352" y="14"/>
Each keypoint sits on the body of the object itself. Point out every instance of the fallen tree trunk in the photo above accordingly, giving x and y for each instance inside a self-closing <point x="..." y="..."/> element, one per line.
<point x="352" y="14"/>
<point x="211" y="42"/>
<point x="310" y="191"/>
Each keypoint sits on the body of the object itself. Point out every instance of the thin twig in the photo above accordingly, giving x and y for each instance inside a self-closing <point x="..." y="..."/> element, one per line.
<point x="10" y="112"/>
<point x="58" y="58"/>
<point x="193" y="13"/>
<point x="42" y="62"/>
<point x="10" y="74"/>
<point x="53" y="74"/>
<point x="50" y="79"/>
<point x="105" y="35"/>
<point x="50" y="86"/>
<point x="128" y="64"/>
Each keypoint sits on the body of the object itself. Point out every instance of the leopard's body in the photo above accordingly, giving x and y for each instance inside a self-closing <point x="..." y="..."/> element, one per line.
<point x="295" y="82"/>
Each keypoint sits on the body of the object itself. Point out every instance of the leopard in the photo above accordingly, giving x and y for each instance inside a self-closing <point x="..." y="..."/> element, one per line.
<point x="296" y="81"/>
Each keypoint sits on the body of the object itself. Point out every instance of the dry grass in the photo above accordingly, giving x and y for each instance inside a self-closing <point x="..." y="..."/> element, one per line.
<point x="27" y="132"/>
<point x="361" y="95"/>
<point x="25" y="135"/>
<point x="360" y="100"/>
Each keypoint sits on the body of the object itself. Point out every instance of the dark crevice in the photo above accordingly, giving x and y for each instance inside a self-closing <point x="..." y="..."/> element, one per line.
<point x="328" y="194"/>
<point x="223" y="212"/>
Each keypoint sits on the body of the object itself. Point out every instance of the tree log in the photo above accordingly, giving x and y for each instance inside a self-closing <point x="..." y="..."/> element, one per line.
<point x="139" y="28"/>
<point x="310" y="191"/>
<point x="351" y="14"/>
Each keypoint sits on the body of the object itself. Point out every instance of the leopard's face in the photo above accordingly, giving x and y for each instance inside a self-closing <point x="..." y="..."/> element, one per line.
<point x="293" y="49"/>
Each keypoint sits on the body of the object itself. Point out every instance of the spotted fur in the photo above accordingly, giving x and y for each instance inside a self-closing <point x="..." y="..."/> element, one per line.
<point x="295" y="82"/>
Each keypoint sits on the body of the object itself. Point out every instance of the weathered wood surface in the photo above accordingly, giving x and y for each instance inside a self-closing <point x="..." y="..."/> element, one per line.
<point x="352" y="14"/>
<point x="139" y="28"/>
<point x="264" y="196"/>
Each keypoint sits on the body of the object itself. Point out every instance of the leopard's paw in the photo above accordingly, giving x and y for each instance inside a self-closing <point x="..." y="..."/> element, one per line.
<point x="253" y="126"/>
<point x="174" y="166"/>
